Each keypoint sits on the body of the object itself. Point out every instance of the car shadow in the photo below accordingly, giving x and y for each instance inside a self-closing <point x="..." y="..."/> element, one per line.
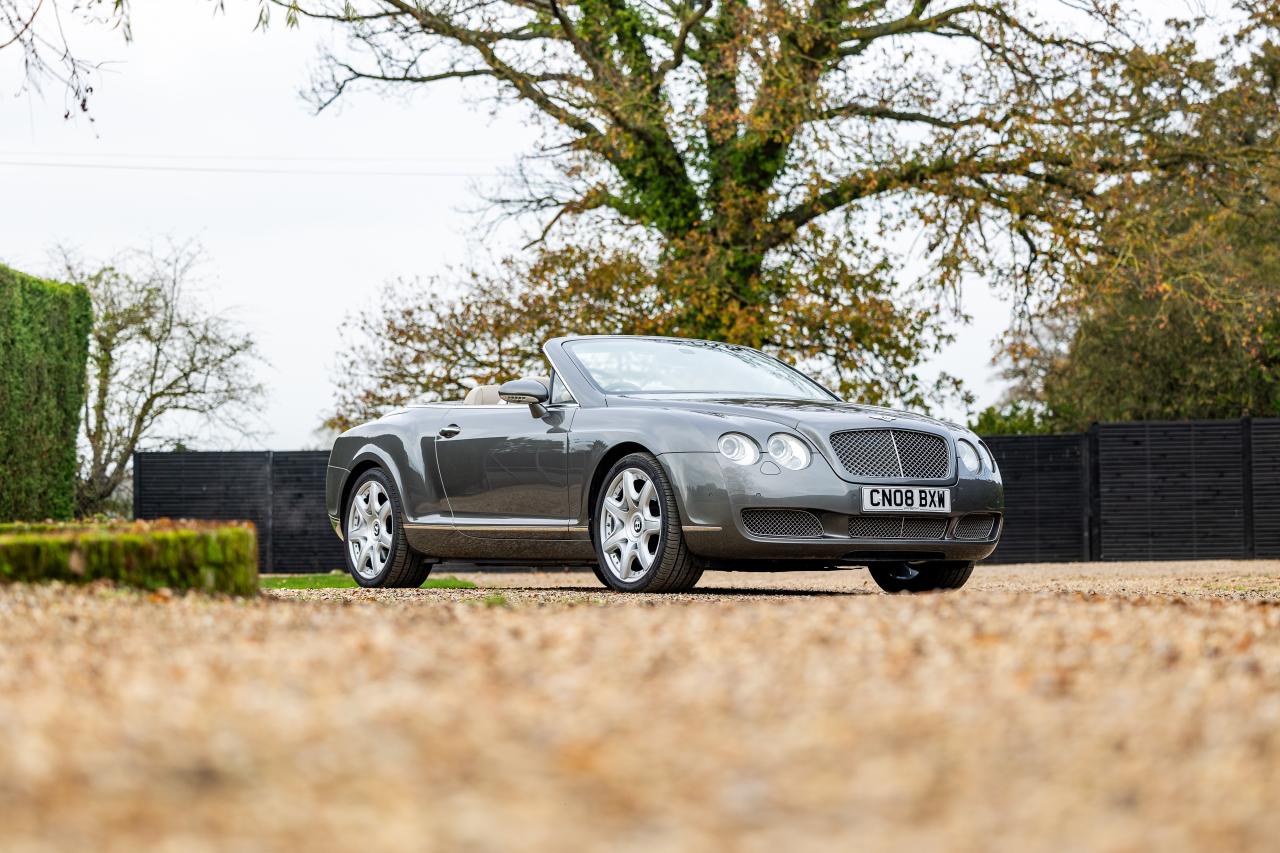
<point x="770" y="591"/>
<point x="760" y="592"/>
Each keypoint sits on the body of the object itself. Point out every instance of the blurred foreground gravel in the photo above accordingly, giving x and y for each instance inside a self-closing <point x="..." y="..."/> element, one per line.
<point x="1103" y="707"/>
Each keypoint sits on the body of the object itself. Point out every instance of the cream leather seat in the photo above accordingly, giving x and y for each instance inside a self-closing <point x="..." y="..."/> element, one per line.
<point x="482" y="395"/>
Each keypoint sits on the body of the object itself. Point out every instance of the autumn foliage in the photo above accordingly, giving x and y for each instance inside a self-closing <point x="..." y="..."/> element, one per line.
<point x="820" y="179"/>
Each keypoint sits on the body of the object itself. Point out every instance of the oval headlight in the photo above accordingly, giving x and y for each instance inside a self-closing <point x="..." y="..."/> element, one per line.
<point x="789" y="451"/>
<point x="968" y="456"/>
<point x="739" y="448"/>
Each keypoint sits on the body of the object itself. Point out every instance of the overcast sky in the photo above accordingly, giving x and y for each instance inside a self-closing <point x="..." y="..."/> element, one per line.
<point x="200" y="132"/>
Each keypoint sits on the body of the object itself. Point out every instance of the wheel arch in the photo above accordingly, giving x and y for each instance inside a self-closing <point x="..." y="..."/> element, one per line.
<point x="606" y="461"/>
<point x="352" y="477"/>
<point x="369" y="457"/>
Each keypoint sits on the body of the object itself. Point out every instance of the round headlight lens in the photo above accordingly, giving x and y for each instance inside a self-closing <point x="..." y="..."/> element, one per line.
<point x="789" y="451"/>
<point x="739" y="448"/>
<point x="968" y="456"/>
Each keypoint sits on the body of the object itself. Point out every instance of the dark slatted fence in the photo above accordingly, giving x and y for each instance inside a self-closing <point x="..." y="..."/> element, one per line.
<point x="1046" y="490"/>
<point x="1144" y="491"/>
<point x="1172" y="490"/>
<point x="282" y="493"/>
<point x="1265" y="470"/>
<point x="301" y="538"/>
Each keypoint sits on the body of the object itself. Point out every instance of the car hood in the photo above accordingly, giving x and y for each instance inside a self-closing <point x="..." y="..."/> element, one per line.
<point x="820" y="416"/>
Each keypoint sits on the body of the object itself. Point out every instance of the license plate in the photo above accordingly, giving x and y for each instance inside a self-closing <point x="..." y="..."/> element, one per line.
<point x="905" y="499"/>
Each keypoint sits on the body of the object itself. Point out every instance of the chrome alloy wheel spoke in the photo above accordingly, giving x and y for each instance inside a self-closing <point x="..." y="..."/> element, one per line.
<point x="630" y="528"/>
<point x="370" y="536"/>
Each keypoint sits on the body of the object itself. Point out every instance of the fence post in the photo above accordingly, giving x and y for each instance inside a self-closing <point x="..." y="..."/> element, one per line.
<point x="134" y="477"/>
<point x="1093" y="495"/>
<point x="270" y="550"/>
<point x="1246" y="475"/>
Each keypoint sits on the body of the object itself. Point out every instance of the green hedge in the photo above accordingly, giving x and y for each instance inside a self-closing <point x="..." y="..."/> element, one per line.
<point x="177" y="555"/>
<point x="44" y="345"/>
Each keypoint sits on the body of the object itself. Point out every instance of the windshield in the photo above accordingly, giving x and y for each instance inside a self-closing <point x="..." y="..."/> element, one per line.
<point x="647" y="366"/>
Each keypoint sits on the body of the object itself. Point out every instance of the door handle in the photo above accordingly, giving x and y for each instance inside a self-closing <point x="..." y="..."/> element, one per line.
<point x="450" y="431"/>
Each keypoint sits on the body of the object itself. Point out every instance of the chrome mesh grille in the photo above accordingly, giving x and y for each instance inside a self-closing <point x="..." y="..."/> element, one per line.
<point x="875" y="526"/>
<point x="924" y="456"/>
<point x="924" y="528"/>
<point x="892" y="453"/>
<point x="978" y="526"/>
<point x="896" y="527"/>
<point x="867" y="452"/>
<point x="791" y="523"/>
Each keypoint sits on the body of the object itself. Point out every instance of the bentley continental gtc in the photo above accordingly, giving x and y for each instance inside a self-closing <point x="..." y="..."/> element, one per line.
<point x="654" y="459"/>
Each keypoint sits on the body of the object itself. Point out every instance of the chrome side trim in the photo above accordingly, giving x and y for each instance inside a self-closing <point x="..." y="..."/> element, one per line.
<point x="513" y="528"/>
<point x="505" y="528"/>
<point x="533" y="528"/>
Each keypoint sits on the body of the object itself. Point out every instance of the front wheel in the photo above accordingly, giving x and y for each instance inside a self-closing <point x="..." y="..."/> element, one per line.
<point x="377" y="553"/>
<point x="921" y="577"/>
<point x="636" y="530"/>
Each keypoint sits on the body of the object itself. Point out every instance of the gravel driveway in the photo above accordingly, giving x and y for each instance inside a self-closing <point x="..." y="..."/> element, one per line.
<point x="1089" y="707"/>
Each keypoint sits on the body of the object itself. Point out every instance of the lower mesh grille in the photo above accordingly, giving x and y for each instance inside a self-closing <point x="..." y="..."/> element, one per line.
<point x="978" y="526"/>
<point x="792" y="523"/>
<point x="896" y="527"/>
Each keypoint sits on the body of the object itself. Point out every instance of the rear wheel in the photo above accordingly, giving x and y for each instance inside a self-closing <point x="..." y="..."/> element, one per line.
<point x="921" y="577"/>
<point x="377" y="553"/>
<point x="636" y="528"/>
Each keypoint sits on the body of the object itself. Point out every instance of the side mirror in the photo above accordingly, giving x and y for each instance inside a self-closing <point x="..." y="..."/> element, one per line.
<point x="529" y="391"/>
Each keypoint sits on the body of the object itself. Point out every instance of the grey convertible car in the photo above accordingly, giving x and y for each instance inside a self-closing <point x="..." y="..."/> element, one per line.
<point x="652" y="459"/>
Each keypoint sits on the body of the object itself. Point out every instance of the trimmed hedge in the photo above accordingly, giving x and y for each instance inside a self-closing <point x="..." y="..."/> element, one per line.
<point x="209" y="557"/>
<point x="44" y="346"/>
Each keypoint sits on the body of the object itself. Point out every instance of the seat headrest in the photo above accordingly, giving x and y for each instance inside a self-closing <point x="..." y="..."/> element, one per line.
<point x="482" y="395"/>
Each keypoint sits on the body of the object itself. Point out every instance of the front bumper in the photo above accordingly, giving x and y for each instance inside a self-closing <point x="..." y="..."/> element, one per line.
<point x="712" y="495"/>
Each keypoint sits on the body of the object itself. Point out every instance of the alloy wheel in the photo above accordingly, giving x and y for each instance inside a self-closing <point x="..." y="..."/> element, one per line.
<point x="369" y="533"/>
<point x="630" y="527"/>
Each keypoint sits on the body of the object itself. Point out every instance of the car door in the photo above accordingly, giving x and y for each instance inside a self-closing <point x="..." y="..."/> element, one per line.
<point x="503" y="469"/>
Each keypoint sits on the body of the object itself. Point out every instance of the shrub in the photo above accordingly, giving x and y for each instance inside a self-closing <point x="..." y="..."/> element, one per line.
<point x="178" y="555"/>
<point x="1015" y="419"/>
<point x="44" y="344"/>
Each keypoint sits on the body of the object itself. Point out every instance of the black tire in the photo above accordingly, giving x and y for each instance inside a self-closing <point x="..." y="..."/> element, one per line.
<point x="921" y="577"/>
<point x="674" y="568"/>
<point x="402" y="568"/>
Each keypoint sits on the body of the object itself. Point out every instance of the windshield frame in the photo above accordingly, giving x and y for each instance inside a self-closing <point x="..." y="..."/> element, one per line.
<point x="569" y="344"/>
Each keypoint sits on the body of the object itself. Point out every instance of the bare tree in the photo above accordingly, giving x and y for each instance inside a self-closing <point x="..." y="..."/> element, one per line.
<point x="38" y="29"/>
<point x="155" y="354"/>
